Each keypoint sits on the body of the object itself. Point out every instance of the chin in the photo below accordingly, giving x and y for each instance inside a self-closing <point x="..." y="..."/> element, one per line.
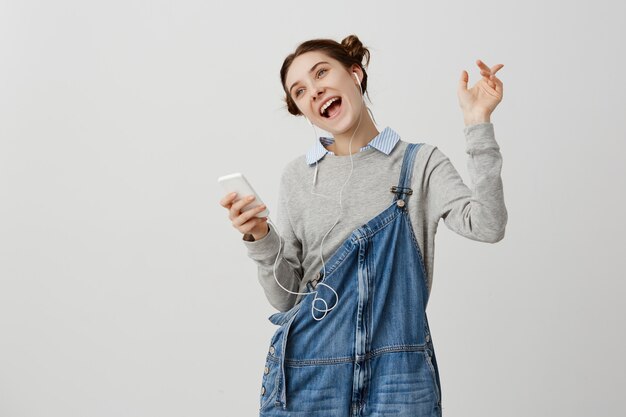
<point x="348" y="120"/>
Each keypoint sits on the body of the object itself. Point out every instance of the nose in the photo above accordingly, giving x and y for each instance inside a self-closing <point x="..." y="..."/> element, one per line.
<point x="316" y="91"/>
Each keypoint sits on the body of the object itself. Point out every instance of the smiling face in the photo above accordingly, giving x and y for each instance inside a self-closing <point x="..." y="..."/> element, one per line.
<point x="314" y="78"/>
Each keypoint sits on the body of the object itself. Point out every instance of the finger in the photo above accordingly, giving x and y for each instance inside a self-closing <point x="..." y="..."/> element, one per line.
<point x="495" y="79"/>
<point x="483" y="66"/>
<point x="498" y="84"/>
<point x="486" y="74"/>
<point x="485" y="70"/>
<point x="242" y="202"/>
<point x="487" y="77"/>
<point x="463" y="80"/>
<point x="496" y="68"/>
<point x="243" y="217"/>
<point x="246" y="228"/>
<point x="492" y="79"/>
<point x="227" y="200"/>
<point x="489" y="80"/>
<point x="248" y="214"/>
<point x="236" y="207"/>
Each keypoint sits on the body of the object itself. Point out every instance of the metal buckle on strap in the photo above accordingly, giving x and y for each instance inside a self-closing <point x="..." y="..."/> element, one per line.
<point x="314" y="281"/>
<point x="395" y="188"/>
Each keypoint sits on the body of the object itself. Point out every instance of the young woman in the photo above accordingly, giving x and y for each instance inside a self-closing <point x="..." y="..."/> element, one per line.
<point x="350" y="264"/>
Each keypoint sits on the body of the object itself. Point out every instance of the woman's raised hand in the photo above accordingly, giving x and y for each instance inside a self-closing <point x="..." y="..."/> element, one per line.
<point x="480" y="100"/>
<point x="245" y="222"/>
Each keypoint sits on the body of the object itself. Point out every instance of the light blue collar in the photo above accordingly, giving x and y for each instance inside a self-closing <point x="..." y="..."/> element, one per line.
<point x="385" y="141"/>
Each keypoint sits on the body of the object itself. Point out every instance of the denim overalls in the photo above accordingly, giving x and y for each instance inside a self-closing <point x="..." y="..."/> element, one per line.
<point x="372" y="354"/>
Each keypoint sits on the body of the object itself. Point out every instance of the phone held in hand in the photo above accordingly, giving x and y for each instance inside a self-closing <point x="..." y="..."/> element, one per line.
<point x="238" y="183"/>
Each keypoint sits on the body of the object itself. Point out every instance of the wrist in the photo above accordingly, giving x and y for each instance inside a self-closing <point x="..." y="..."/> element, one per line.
<point x="262" y="235"/>
<point x="476" y="118"/>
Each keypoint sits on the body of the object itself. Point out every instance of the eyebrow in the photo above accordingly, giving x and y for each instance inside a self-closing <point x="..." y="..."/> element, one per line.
<point x="310" y="71"/>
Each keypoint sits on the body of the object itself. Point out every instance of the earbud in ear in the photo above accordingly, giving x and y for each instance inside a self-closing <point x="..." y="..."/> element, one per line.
<point x="359" y="81"/>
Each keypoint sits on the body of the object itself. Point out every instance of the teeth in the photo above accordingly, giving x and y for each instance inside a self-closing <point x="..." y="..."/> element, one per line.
<point x="328" y="103"/>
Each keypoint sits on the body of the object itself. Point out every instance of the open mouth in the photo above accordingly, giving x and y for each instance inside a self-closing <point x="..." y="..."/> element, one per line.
<point x="333" y="110"/>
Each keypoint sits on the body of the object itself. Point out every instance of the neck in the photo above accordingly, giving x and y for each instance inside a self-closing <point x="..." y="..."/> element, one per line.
<point x="364" y="134"/>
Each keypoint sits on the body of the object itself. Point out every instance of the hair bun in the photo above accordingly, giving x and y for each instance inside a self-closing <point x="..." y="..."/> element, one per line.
<point x="355" y="49"/>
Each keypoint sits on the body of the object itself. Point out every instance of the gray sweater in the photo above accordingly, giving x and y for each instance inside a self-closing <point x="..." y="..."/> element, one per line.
<point x="303" y="218"/>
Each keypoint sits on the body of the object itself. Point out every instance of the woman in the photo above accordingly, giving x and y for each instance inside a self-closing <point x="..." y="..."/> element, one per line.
<point x="352" y="308"/>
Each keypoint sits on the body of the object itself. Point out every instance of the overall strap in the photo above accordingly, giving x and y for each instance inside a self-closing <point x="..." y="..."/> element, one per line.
<point x="402" y="190"/>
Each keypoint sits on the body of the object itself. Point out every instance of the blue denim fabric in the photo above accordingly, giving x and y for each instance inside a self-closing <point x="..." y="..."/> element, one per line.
<point x="372" y="354"/>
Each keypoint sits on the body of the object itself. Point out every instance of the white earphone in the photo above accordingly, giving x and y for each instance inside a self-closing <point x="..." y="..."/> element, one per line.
<point x="326" y="308"/>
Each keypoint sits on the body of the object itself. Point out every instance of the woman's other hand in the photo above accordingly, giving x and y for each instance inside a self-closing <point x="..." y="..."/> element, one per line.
<point x="479" y="101"/>
<point x="246" y="222"/>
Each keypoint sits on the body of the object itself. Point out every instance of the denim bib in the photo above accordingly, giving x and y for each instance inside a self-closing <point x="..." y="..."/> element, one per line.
<point x="372" y="354"/>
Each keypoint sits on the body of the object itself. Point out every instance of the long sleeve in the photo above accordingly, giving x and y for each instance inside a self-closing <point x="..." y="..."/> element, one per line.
<point x="263" y="252"/>
<point x="480" y="213"/>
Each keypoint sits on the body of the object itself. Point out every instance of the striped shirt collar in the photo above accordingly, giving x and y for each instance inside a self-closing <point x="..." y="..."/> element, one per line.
<point x="385" y="141"/>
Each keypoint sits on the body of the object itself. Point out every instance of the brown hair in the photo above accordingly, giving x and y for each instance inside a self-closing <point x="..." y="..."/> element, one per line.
<point x="350" y="51"/>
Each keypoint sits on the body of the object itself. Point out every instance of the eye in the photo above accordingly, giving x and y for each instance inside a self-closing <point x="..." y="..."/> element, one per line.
<point x="318" y="73"/>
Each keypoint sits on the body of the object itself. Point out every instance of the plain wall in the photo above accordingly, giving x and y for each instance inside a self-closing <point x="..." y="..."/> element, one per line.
<point x="124" y="288"/>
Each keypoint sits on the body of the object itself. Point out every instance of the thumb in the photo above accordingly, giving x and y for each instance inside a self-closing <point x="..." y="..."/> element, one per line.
<point x="463" y="81"/>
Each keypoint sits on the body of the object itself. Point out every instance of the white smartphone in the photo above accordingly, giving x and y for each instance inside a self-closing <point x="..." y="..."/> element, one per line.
<point x="239" y="184"/>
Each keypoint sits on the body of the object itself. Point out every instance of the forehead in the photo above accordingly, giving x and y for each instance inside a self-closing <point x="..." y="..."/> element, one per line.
<point x="301" y="65"/>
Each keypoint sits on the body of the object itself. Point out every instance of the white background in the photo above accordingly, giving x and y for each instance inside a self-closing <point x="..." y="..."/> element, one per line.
<point x="124" y="288"/>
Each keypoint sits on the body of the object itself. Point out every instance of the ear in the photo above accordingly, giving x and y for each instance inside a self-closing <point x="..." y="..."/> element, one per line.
<point x="356" y="68"/>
